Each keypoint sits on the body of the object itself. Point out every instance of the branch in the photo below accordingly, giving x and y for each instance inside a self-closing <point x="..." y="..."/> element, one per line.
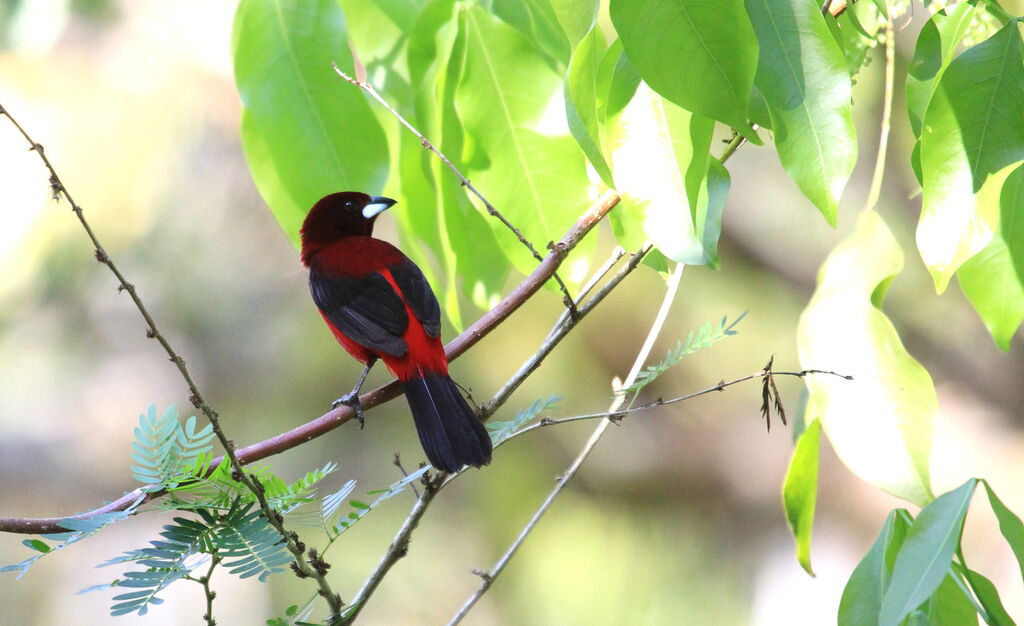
<point x="617" y="416"/>
<point x="641" y="358"/>
<point x="398" y="547"/>
<point x="369" y="89"/>
<point x="335" y="418"/>
<point x="195" y="396"/>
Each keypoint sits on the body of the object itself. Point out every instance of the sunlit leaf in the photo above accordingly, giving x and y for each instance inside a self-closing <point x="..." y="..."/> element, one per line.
<point x="306" y="133"/>
<point x="803" y="77"/>
<point x="972" y="130"/>
<point x="991" y="284"/>
<point x="881" y="422"/>
<point x="800" y="491"/>
<point x="699" y="54"/>
<point x="522" y="156"/>
<point x="927" y="553"/>
<point x="660" y="159"/>
<point x="581" y="101"/>
<point x="1011" y="218"/>
<point x="936" y="46"/>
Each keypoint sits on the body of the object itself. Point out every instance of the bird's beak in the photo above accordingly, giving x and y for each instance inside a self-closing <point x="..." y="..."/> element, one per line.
<point x="378" y="204"/>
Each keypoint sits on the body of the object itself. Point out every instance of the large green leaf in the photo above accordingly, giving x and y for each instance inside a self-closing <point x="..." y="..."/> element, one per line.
<point x="972" y="129"/>
<point x="988" y="596"/>
<point x="700" y="54"/>
<point x="660" y="159"/>
<point x="927" y="552"/>
<point x="803" y="77"/>
<point x="306" y="133"/>
<point x="576" y="17"/>
<point x="1011" y="218"/>
<point x="948" y="606"/>
<point x="862" y="596"/>
<point x="991" y="284"/>
<point x="1009" y="524"/>
<point x="800" y="491"/>
<point x="581" y="101"/>
<point x="444" y="218"/>
<point x="936" y="46"/>
<point x="881" y="422"/>
<point x="522" y="156"/>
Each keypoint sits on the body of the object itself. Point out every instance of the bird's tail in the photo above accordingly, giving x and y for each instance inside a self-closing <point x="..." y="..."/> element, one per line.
<point x="451" y="433"/>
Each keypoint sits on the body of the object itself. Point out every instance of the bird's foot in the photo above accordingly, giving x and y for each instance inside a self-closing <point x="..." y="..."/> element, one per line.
<point x="352" y="399"/>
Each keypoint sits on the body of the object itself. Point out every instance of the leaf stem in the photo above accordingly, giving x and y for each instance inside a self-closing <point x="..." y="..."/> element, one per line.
<point x="884" y="125"/>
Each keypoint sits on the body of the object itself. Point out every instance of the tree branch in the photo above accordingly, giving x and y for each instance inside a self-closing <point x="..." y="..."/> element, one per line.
<point x="195" y="396"/>
<point x="335" y="418"/>
<point x="369" y="89"/>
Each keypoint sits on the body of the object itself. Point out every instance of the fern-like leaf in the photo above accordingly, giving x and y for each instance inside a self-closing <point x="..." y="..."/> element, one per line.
<point x="250" y="545"/>
<point x="500" y="431"/>
<point x="704" y="337"/>
<point x="165" y="450"/>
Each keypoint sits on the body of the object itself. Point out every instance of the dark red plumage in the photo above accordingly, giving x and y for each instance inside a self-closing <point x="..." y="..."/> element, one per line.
<point x="378" y="304"/>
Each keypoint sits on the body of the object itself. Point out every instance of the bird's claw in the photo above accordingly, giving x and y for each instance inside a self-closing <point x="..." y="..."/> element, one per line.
<point x="352" y="400"/>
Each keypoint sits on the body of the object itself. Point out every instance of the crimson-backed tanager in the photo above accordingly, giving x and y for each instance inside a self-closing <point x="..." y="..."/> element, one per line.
<point x="379" y="305"/>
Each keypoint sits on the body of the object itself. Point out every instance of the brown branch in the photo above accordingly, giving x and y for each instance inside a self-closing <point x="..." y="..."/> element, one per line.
<point x="426" y="143"/>
<point x="337" y="417"/>
<point x="195" y="396"/>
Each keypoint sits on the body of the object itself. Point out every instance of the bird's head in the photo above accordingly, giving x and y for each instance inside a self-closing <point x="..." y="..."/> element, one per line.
<point x="340" y="215"/>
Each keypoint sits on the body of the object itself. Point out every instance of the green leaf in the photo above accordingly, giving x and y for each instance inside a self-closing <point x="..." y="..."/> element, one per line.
<point x="970" y="133"/>
<point x="927" y="553"/>
<point x="936" y="46"/>
<point x="881" y="422"/>
<point x="858" y="27"/>
<point x="1011" y="218"/>
<point x="499" y="431"/>
<point x="991" y="284"/>
<point x="862" y="596"/>
<point x="988" y="595"/>
<point x="699" y="54"/>
<point x="803" y="76"/>
<point x="1009" y="524"/>
<point x="521" y="155"/>
<point x="660" y="159"/>
<point x="576" y="17"/>
<point x="537" y="21"/>
<point x="36" y="544"/>
<point x="800" y="492"/>
<point x="305" y="131"/>
<point x="950" y="605"/>
<point x="581" y="101"/>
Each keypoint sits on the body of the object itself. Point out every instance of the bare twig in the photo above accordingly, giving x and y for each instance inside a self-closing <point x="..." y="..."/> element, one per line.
<point x="489" y="577"/>
<point x="618" y="415"/>
<point x="195" y="396"/>
<point x="398" y="463"/>
<point x="336" y="417"/>
<point x="565" y="324"/>
<point x="398" y="548"/>
<point x="373" y="93"/>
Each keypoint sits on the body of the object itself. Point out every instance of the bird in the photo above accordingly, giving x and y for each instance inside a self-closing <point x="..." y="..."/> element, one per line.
<point x="379" y="306"/>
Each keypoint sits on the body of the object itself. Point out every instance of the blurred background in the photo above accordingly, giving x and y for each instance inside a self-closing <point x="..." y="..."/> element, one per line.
<point x="675" y="519"/>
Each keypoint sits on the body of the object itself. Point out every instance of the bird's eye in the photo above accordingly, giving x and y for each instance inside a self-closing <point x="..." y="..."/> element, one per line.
<point x="350" y="205"/>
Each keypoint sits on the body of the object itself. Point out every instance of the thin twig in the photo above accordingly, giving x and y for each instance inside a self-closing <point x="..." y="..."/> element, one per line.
<point x="336" y="417"/>
<point x="883" y="134"/>
<point x="195" y="396"/>
<point x="619" y="414"/>
<point x="562" y="327"/>
<point x="429" y="145"/>
<point x="398" y="463"/>
<point x="398" y="548"/>
<point x="208" y="592"/>
<point x="489" y="577"/>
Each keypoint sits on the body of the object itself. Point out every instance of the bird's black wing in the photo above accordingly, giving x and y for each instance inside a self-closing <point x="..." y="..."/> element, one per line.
<point x="366" y="308"/>
<point x="419" y="295"/>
